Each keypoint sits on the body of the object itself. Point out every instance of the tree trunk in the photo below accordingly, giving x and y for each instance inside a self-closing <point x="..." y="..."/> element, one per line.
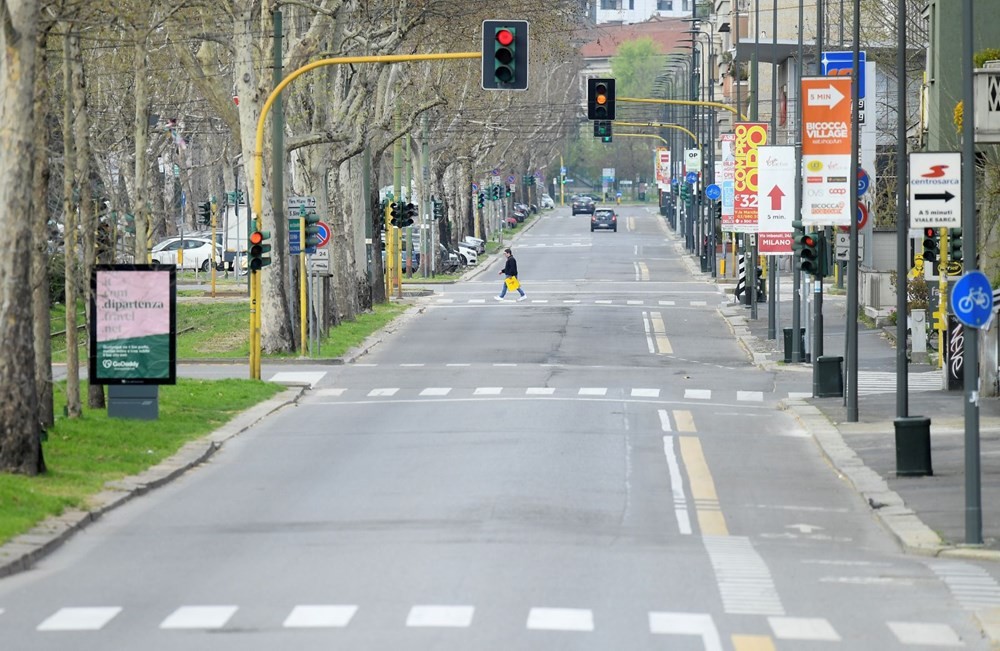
<point x="73" y="407"/>
<point x="143" y="224"/>
<point x="276" y="316"/>
<point x="40" y="293"/>
<point x="88" y="212"/>
<point x="20" y="440"/>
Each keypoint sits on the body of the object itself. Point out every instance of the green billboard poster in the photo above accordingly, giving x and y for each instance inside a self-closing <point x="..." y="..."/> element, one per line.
<point x="134" y="324"/>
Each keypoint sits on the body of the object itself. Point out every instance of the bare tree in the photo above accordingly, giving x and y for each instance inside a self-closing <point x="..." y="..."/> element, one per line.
<point x="20" y="431"/>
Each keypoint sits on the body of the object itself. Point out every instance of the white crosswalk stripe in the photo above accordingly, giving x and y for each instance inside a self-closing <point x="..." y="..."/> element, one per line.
<point x="700" y="395"/>
<point x="924" y="634"/>
<point x="803" y="628"/>
<point x="79" y="619"/>
<point x="875" y="382"/>
<point x="744" y="579"/>
<point x="971" y="585"/>
<point x="199" y="617"/>
<point x="560" y="619"/>
<point x="320" y="616"/>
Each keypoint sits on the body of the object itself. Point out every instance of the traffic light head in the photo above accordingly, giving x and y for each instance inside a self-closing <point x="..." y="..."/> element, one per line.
<point x="410" y="213"/>
<point x="955" y="244"/>
<point x="395" y="215"/>
<point x="205" y="213"/>
<point x="258" y="251"/>
<point x="932" y="244"/>
<point x="505" y="55"/>
<point x="496" y="192"/>
<point x="312" y="237"/>
<point x="482" y="200"/>
<point x="601" y="99"/>
<point x="437" y="210"/>
<point x="810" y="251"/>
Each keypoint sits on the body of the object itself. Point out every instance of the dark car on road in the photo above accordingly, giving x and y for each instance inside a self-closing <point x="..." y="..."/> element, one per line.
<point x="606" y="219"/>
<point x="583" y="203"/>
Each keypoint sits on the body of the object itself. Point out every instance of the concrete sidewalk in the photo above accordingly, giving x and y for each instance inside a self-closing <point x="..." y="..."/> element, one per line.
<point x="928" y="513"/>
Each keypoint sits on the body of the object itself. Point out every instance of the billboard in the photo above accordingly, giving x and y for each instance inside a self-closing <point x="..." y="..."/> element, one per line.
<point x="134" y="324"/>
<point x="749" y="136"/>
<point x="826" y="151"/>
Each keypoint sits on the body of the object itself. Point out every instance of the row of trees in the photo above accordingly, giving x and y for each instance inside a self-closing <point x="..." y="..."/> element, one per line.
<point x="114" y="107"/>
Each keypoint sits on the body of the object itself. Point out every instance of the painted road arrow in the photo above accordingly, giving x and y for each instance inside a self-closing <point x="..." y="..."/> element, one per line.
<point x="828" y="97"/>
<point x="776" y="194"/>
<point x="939" y="196"/>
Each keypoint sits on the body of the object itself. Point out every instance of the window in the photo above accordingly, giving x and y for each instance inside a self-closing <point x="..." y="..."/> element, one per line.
<point x="665" y="5"/>
<point x="611" y="4"/>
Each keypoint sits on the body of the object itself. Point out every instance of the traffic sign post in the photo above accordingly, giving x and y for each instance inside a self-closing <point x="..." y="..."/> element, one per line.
<point x="713" y="192"/>
<point x="936" y="189"/>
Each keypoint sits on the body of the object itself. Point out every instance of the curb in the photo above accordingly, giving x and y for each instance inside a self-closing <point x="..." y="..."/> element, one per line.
<point x="24" y="551"/>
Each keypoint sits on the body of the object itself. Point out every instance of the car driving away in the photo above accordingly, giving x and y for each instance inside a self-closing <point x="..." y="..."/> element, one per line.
<point x="197" y="253"/>
<point x="604" y="218"/>
<point x="583" y="203"/>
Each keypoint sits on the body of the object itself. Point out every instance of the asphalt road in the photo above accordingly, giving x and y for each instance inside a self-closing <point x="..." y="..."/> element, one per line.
<point x="597" y="467"/>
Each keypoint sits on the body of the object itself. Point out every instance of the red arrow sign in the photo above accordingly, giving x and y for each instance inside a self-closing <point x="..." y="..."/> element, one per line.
<point x="776" y="194"/>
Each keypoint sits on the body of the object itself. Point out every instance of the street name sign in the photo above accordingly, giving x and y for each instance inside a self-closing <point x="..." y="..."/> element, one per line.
<point x="936" y="189"/>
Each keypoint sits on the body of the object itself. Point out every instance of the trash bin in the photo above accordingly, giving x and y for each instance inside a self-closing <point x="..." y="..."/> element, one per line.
<point x="830" y="377"/>
<point x="913" y="446"/>
<point x="788" y="344"/>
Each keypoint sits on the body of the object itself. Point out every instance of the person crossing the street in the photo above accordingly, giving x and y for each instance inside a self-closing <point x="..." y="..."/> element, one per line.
<point x="509" y="272"/>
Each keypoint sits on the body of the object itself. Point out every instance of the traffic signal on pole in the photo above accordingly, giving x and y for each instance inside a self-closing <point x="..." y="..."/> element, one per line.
<point x="811" y="253"/>
<point x="482" y="200"/>
<point x="955" y="244"/>
<point x="205" y="213"/>
<point x="259" y="250"/>
<point x="507" y="190"/>
<point x="395" y="216"/>
<point x="496" y="193"/>
<point x="410" y="213"/>
<point x="602" y="130"/>
<point x="932" y="244"/>
<point x="311" y="237"/>
<point x="437" y="209"/>
<point x="600" y="99"/>
<point x="505" y="55"/>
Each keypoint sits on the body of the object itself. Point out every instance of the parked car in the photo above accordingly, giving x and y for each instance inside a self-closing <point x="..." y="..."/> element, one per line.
<point x="474" y="243"/>
<point x="606" y="219"/>
<point x="583" y="204"/>
<point x="197" y="253"/>
<point x="448" y="259"/>
<point x="548" y="203"/>
<point x="467" y="255"/>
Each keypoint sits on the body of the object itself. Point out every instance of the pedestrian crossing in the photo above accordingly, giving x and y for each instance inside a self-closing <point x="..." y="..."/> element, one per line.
<point x="593" y="393"/>
<point x="876" y="382"/>
<point x="631" y="302"/>
<point x="222" y="617"/>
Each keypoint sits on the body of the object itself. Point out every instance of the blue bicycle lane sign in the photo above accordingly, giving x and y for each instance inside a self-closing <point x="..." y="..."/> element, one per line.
<point x="972" y="299"/>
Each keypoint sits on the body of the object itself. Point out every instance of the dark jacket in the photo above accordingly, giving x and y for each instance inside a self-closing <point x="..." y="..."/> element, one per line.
<point x="510" y="269"/>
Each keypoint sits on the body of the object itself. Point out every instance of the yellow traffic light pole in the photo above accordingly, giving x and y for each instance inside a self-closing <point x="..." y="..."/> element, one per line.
<point x="659" y="125"/>
<point x="258" y="166"/>
<point x="684" y="102"/>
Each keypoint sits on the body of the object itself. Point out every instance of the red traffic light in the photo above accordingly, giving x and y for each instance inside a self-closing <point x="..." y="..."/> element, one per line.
<point x="930" y="231"/>
<point x="504" y="37"/>
<point x="808" y="240"/>
<point x="256" y="237"/>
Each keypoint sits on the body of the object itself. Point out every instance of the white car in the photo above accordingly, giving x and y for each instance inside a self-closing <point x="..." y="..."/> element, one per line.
<point x="474" y="243"/>
<point x="197" y="253"/>
<point x="548" y="203"/>
<point x="468" y="255"/>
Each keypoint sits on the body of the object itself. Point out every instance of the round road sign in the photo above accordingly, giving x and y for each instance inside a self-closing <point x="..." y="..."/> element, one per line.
<point x="324" y="234"/>
<point x="863" y="181"/>
<point x="713" y="192"/>
<point x="972" y="299"/>
<point x="692" y="177"/>
<point x="475" y="187"/>
<point x="862" y="214"/>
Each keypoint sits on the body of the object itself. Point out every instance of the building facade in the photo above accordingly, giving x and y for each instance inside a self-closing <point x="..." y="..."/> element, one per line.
<point x="637" y="11"/>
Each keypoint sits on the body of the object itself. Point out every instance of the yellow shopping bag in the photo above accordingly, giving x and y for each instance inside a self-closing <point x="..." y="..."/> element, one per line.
<point x="512" y="283"/>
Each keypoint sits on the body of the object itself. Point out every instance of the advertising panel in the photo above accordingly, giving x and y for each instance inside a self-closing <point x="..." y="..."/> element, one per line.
<point x="826" y="151"/>
<point x="776" y="199"/>
<point x="727" y="179"/>
<point x="134" y="325"/>
<point x="663" y="168"/>
<point x="749" y="136"/>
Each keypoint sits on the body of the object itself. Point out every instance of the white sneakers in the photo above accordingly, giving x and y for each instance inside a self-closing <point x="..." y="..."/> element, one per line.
<point x="522" y="298"/>
<point x="498" y="298"/>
